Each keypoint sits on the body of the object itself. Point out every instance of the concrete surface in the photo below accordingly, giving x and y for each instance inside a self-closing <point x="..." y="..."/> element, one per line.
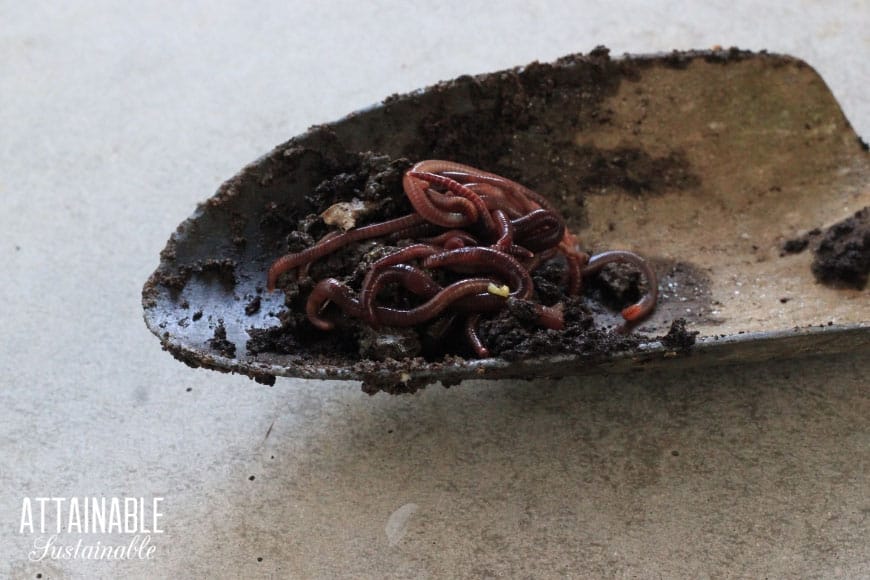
<point x="115" y="120"/>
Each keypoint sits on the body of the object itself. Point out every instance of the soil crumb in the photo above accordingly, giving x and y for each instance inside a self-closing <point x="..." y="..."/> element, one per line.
<point x="800" y="243"/>
<point x="222" y="269"/>
<point x="617" y="285"/>
<point x="678" y="337"/>
<point x="842" y="258"/>
<point x="253" y="306"/>
<point x="513" y="335"/>
<point x="395" y="343"/>
<point x="220" y="343"/>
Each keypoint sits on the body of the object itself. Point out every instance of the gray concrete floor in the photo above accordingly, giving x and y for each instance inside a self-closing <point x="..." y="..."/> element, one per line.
<point x="116" y="120"/>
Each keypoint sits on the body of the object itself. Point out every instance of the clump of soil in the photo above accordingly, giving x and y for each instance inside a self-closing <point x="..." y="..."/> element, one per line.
<point x="176" y="278"/>
<point x="617" y="285"/>
<point x="800" y="243"/>
<point x="678" y="337"/>
<point x="389" y="343"/>
<point x="253" y="306"/>
<point x="220" y="343"/>
<point x="513" y="335"/>
<point x="842" y="258"/>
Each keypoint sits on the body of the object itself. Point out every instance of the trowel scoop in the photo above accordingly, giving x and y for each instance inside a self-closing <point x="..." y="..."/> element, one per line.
<point x="707" y="163"/>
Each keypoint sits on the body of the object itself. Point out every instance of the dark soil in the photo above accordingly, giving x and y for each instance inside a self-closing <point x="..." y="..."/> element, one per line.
<point x="253" y="306"/>
<point x="842" y="258"/>
<point x="800" y="243"/>
<point x="220" y="343"/>
<point x="841" y="252"/>
<point x="513" y="335"/>
<point x="616" y="286"/>
<point x="678" y="337"/>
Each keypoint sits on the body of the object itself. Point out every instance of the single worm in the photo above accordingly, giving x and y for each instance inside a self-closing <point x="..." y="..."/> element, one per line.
<point x="575" y="273"/>
<point x="551" y="317"/>
<point x="304" y="267"/>
<point x="647" y="303"/>
<point x="505" y="230"/>
<point x="473" y="336"/>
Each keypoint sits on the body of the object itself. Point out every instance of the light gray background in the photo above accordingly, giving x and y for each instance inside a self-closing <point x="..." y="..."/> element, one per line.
<point x="115" y="120"/>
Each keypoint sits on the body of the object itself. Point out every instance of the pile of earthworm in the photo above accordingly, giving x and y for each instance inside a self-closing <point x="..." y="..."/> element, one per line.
<point x="472" y="223"/>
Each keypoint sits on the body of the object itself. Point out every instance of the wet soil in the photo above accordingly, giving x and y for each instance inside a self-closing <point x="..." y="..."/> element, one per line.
<point x="842" y="257"/>
<point x="841" y="253"/>
<point x="513" y="335"/>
